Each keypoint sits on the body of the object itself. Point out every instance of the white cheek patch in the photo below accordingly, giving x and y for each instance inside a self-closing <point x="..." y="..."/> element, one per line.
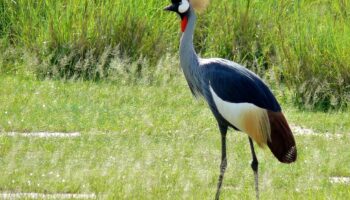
<point x="184" y="6"/>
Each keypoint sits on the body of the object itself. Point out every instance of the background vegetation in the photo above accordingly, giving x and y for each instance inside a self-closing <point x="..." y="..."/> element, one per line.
<point x="303" y="44"/>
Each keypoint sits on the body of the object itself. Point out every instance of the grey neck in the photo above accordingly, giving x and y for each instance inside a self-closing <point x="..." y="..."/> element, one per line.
<point x="189" y="60"/>
<point x="187" y="52"/>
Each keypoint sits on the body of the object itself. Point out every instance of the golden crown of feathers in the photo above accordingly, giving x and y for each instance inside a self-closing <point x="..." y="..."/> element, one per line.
<point x="199" y="5"/>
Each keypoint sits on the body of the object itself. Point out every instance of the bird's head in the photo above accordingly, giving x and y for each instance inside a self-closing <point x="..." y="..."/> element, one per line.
<point x="183" y="8"/>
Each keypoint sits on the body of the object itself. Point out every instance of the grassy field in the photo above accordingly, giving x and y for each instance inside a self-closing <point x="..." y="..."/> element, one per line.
<point x="153" y="142"/>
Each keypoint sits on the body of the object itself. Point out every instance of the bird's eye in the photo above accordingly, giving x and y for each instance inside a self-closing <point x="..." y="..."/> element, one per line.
<point x="184" y="6"/>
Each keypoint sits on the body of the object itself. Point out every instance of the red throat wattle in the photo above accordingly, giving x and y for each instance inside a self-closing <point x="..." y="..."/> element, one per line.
<point x="184" y="23"/>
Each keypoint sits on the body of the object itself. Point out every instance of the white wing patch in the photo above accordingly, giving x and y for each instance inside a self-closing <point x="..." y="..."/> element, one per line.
<point x="246" y="117"/>
<point x="232" y="112"/>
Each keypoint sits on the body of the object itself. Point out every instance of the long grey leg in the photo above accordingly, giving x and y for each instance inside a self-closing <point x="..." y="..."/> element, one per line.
<point x="223" y="165"/>
<point x="254" y="166"/>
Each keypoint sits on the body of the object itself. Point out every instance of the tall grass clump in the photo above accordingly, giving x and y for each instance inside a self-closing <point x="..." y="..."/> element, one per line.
<point x="112" y="66"/>
<point x="83" y="29"/>
<point x="315" y="47"/>
<point x="303" y="44"/>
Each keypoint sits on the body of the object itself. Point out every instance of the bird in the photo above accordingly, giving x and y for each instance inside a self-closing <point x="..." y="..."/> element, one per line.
<point x="237" y="97"/>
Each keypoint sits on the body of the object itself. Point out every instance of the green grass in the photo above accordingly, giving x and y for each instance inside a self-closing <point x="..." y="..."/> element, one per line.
<point x="152" y="142"/>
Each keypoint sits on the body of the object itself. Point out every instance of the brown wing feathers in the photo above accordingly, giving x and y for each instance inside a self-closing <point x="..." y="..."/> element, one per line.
<point x="271" y="128"/>
<point x="282" y="143"/>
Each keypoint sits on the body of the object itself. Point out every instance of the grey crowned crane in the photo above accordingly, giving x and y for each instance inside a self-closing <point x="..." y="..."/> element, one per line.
<point x="237" y="97"/>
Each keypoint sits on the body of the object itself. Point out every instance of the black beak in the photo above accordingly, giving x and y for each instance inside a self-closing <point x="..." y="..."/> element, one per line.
<point x="172" y="7"/>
